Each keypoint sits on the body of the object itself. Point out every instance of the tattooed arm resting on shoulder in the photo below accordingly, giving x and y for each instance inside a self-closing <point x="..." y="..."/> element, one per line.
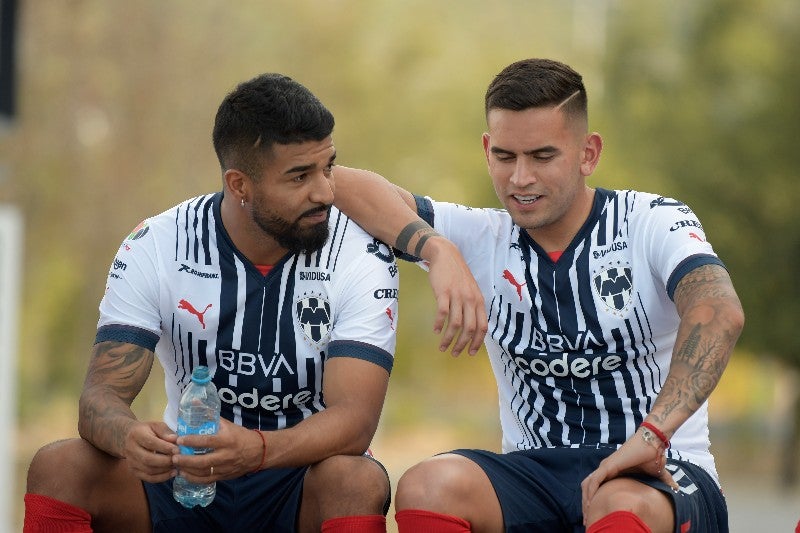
<point x="388" y="213"/>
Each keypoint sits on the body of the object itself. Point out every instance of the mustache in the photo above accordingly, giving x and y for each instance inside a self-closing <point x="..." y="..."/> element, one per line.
<point x="314" y="211"/>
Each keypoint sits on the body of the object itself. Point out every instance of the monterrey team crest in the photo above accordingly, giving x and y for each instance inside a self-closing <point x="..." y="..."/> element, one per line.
<point x="313" y="314"/>
<point x="614" y="285"/>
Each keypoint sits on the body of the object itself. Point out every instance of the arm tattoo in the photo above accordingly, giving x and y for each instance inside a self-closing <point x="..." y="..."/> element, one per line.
<point x="711" y="320"/>
<point x="425" y="235"/>
<point x="421" y="230"/>
<point x="404" y="239"/>
<point x="117" y="372"/>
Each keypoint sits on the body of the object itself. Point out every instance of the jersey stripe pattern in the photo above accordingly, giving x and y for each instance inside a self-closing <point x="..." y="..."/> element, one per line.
<point x="581" y="347"/>
<point x="178" y="286"/>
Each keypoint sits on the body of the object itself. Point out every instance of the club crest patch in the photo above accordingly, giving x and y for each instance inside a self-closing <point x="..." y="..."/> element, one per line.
<point x="614" y="286"/>
<point x="313" y="314"/>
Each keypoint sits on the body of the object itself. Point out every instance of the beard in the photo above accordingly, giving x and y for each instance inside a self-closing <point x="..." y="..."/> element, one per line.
<point x="291" y="235"/>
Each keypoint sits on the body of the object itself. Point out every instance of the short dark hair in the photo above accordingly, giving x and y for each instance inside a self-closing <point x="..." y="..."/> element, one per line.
<point x="537" y="83"/>
<point x="268" y="109"/>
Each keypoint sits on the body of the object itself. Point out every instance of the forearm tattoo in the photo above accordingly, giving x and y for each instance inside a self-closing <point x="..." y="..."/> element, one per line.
<point x="423" y="237"/>
<point x="710" y="325"/>
<point x="419" y="229"/>
<point x="404" y="239"/>
<point x="116" y="374"/>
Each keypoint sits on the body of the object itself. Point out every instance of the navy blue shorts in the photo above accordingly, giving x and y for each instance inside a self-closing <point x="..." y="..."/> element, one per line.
<point x="266" y="501"/>
<point x="540" y="490"/>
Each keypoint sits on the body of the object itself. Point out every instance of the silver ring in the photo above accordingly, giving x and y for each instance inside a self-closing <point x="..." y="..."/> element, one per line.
<point x="212" y="470"/>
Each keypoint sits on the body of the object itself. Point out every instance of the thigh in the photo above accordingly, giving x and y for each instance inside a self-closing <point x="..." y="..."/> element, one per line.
<point x="538" y="490"/>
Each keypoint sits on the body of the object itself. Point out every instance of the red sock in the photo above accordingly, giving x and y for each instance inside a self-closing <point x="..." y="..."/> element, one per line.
<point x="417" y="521"/>
<point x="44" y="514"/>
<point x="373" y="523"/>
<point x="619" y="522"/>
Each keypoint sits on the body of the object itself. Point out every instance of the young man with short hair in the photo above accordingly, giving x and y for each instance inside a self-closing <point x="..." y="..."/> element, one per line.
<point x="609" y="319"/>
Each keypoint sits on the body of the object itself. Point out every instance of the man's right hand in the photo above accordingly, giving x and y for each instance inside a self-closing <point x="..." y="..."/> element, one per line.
<point x="459" y="300"/>
<point x="149" y="447"/>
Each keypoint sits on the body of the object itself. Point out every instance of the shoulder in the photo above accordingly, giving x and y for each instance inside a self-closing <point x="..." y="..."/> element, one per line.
<point x="450" y="214"/>
<point x="652" y="211"/>
<point x="188" y="216"/>
<point x="652" y="203"/>
<point x="190" y="211"/>
<point x="349" y="244"/>
<point x="628" y="200"/>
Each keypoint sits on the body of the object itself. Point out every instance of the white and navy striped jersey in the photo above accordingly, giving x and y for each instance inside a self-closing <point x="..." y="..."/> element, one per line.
<point x="580" y="348"/>
<point x="178" y="286"/>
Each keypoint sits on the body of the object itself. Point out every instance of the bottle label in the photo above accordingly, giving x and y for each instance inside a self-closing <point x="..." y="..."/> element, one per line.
<point x="208" y="428"/>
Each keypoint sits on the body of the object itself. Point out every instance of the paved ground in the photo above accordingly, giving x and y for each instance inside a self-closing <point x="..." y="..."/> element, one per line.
<point x="758" y="506"/>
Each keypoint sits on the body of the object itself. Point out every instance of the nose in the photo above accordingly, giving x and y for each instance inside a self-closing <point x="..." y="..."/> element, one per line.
<point x="322" y="189"/>
<point x="524" y="173"/>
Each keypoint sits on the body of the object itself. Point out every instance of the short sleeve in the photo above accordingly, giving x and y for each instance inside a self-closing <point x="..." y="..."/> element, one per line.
<point x="366" y="322"/>
<point x="129" y="310"/>
<point x="674" y="240"/>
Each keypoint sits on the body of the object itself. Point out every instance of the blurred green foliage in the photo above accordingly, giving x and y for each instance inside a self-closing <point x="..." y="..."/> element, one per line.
<point x="714" y="120"/>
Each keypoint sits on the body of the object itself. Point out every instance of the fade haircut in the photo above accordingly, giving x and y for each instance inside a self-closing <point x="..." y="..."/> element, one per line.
<point x="534" y="83"/>
<point x="268" y="109"/>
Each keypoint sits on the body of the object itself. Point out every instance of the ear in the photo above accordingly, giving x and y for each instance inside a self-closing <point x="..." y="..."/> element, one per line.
<point x="237" y="183"/>
<point x="486" y="144"/>
<point x="592" y="147"/>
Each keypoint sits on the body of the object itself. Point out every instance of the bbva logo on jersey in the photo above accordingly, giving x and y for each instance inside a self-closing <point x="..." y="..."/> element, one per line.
<point x="314" y="316"/>
<point x="614" y="285"/>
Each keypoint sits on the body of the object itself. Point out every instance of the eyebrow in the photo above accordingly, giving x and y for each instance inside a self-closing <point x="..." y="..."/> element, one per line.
<point x="306" y="168"/>
<point x="536" y="151"/>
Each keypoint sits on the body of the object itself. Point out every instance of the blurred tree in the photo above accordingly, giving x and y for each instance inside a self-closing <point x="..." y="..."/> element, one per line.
<point x="713" y="118"/>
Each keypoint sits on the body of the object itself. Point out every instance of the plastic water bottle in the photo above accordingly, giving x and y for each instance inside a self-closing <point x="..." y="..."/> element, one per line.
<point x="198" y="414"/>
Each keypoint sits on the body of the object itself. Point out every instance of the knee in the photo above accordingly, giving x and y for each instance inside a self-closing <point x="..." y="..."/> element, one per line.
<point x="47" y="466"/>
<point x="627" y="495"/>
<point x="430" y="483"/>
<point x="66" y="468"/>
<point x="349" y="478"/>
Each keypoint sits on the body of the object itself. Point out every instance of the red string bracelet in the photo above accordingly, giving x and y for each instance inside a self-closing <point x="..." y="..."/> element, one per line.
<point x="263" y="451"/>
<point x="657" y="432"/>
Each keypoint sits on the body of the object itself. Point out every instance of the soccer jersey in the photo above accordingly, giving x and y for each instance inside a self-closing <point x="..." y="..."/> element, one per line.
<point x="581" y="347"/>
<point x="178" y="286"/>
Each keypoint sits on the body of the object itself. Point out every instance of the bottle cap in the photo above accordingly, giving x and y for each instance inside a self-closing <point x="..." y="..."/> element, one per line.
<point x="201" y="375"/>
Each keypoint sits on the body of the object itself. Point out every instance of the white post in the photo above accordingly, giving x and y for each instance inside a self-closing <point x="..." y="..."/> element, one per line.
<point x="10" y="281"/>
